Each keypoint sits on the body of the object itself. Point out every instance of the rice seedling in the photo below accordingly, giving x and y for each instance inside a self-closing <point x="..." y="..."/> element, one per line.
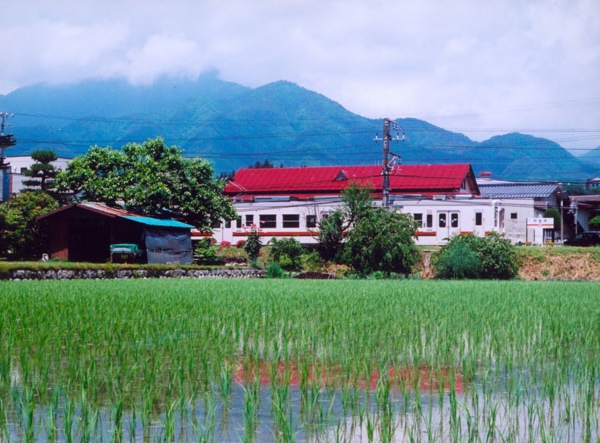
<point x="396" y="361"/>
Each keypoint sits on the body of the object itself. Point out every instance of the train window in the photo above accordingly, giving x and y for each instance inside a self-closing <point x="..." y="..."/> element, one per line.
<point x="268" y="220"/>
<point x="291" y="220"/>
<point x="429" y="223"/>
<point x="442" y="220"/>
<point x="249" y="219"/>
<point x="311" y="221"/>
<point x="478" y="218"/>
<point x="227" y="224"/>
<point x="454" y="220"/>
<point x="418" y="219"/>
<point x="513" y="215"/>
<point x="238" y="222"/>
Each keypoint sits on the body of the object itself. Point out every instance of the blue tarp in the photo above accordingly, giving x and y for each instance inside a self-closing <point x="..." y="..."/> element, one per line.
<point x="165" y="246"/>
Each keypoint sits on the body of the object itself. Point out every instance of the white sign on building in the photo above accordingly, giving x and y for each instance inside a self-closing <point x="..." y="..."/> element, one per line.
<point x="539" y="230"/>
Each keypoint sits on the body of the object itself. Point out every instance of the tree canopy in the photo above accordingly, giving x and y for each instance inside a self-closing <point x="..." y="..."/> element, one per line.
<point x="382" y="241"/>
<point x="368" y="238"/>
<point x="21" y="236"/>
<point x="151" y="179"/>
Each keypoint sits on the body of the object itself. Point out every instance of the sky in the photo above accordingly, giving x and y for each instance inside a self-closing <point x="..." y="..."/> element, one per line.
<point x="481" y="68"/>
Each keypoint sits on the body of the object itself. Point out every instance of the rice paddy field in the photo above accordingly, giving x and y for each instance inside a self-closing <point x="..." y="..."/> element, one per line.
<point x="184" y="360"/>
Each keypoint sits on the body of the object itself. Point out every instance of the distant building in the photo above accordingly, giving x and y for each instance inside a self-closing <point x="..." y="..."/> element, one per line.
<point x="14" y="174"/>
<point x="522" y="201"/>
<point x="592" y="183"/>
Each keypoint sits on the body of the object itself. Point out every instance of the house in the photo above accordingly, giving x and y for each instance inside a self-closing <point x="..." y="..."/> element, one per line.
<point x="521" y="202"/>
<point x="584" y="208"/>
<point x="86" y="231"/>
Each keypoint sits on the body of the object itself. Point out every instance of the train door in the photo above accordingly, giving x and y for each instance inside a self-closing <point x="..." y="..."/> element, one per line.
<point x="448" y="224"/>
<point x="479" y="224"/>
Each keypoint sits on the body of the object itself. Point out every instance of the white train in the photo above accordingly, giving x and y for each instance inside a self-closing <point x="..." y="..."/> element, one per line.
<point x="438" y="219"/>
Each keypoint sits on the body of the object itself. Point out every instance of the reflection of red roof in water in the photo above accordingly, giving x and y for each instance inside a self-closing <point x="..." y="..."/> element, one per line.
<point x="293" y="375"/>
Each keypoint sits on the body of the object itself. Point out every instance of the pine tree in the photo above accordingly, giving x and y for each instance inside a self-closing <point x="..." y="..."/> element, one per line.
<point x="42" y="172"/>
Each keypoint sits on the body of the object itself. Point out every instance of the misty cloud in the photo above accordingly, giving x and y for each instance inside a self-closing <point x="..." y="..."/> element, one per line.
<point x="504" y="64"/>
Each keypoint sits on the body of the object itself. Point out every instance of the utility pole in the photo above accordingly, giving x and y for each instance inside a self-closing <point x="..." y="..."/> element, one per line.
<point x="6" y="141"/>
<point x="388" y="125"/>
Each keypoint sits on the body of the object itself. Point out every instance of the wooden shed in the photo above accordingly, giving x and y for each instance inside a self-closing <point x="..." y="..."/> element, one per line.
<point x="84" y="232"/>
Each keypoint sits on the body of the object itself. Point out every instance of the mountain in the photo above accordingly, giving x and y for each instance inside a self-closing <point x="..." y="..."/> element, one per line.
<point x="235" y="126"/>
<point x="592" y="158"/>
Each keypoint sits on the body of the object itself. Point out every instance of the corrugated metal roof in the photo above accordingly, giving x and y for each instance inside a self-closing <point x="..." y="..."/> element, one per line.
<point x="157" y="222"/>
<point x="99" y="208"/>
<point x="107" y="211"/>
<point x="518" y="190"/>
<point x="333" y="179"/>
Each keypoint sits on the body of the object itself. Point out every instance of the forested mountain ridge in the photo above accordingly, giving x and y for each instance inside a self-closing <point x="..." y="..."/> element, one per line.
<point x="235" y="126"/>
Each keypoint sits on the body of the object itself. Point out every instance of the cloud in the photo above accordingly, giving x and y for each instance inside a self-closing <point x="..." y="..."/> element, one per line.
<point x="164" y="55"/>
<point x="468" y="64"/>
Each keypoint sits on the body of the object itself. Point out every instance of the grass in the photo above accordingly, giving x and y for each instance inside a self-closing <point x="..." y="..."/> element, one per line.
<point x="102" y="360"/>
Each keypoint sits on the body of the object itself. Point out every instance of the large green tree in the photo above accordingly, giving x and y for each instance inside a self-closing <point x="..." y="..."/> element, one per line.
<point x="357" y="201"/>
<point x="151" y="179"/>
<point x="382" y="240"/>
<point x="367" y="238"/>
<point x="21" y="235"/>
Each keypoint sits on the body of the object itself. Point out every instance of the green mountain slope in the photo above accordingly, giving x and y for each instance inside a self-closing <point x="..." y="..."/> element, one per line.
<point x="592" y="158"/>
<point x="234" y="126"/>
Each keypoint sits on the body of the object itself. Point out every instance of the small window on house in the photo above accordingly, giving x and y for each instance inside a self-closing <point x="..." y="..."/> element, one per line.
<point x="268" y="220"/>
<point x="513" y="215"/>
<point x="249" y="219"/>
<point x="478" y="219"/>
<point x="291" y="220"/>
<point x="454" y="220"/>
<point x="311" y="221"/>
<point x="442" y="220"/>
<point x="418" y="219"/>
<point x="429" y="223"/>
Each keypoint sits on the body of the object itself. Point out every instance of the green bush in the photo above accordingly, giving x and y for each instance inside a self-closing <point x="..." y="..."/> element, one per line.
<point x="252" y="246"/>
<point x="287" y="252"/>
<point x="331" y="237"/>
<point x="274" y="270"/>
<point x="312" y="262"/>
<point x="382" y="241"/>
<point x="206" y="254"/>
<point x="472" y="257"/>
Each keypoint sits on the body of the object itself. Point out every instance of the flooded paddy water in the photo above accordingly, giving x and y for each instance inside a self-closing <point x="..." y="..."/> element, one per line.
<point x="299" y="362"/>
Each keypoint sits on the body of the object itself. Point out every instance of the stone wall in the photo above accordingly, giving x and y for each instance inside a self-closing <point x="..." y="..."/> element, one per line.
<point x="69" y="274"/>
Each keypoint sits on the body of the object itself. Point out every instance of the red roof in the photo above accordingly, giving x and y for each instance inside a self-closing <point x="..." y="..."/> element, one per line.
<point x="328" y="180"/>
